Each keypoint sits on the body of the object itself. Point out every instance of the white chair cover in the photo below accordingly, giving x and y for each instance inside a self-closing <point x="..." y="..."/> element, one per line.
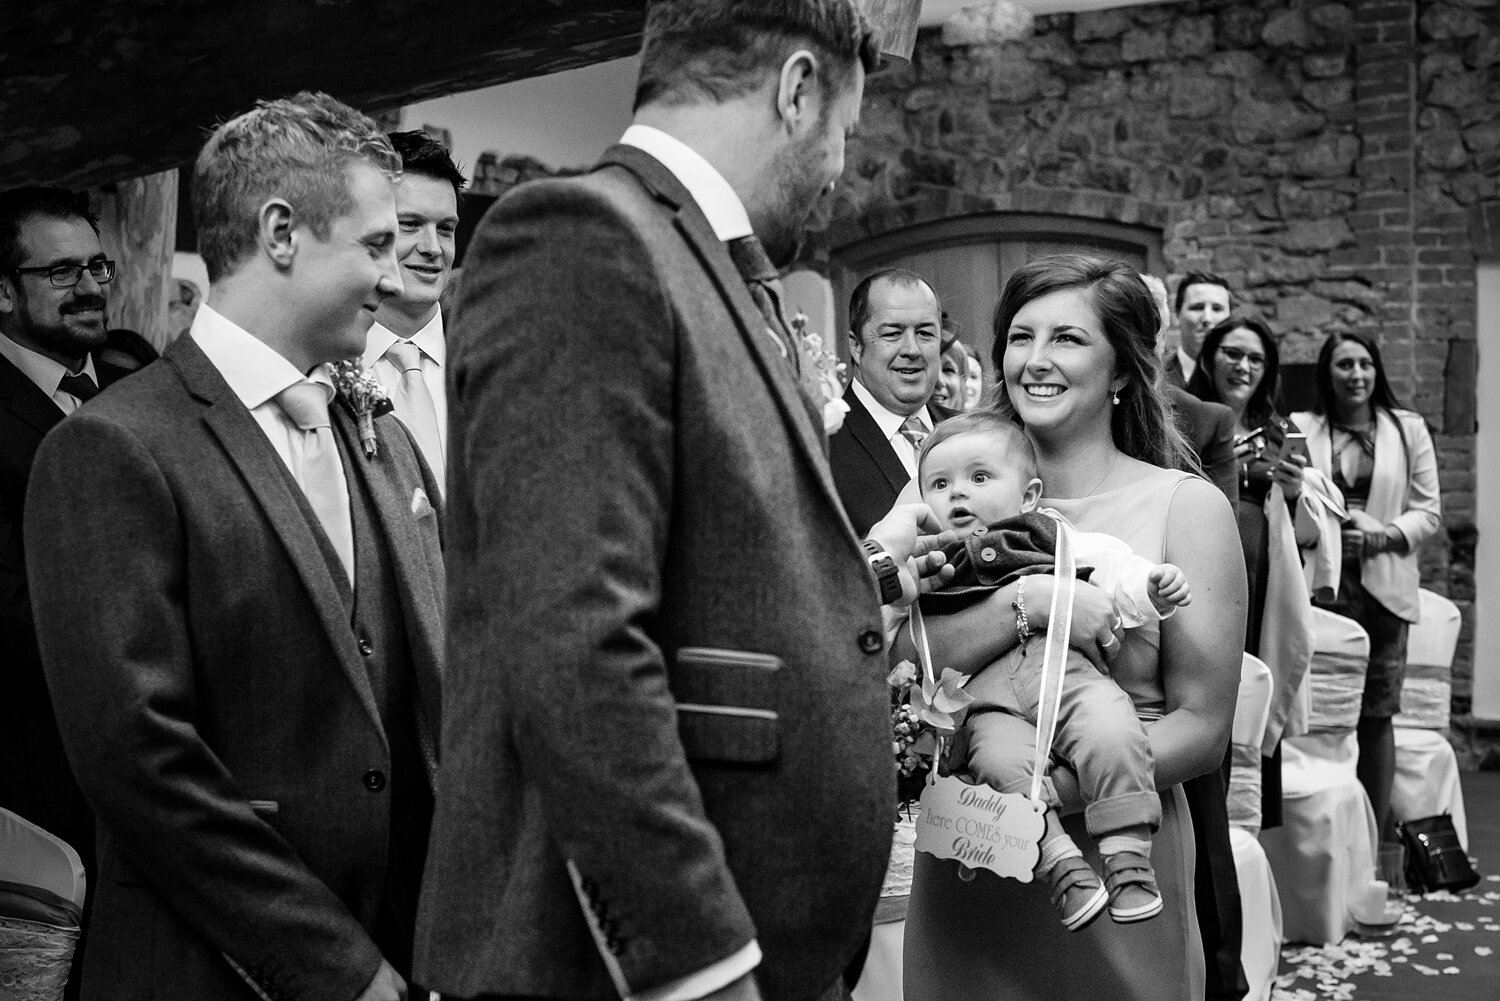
<point x="31" y="856"/>
<point x="1260" y="908"/>
<point x="1426" y="780"/>
<point x="1323" y="854"/>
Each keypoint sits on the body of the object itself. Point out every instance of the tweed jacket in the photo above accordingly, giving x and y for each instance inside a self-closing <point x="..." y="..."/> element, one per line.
<point x="673" y="737"/>
<point x="211" y="692"/>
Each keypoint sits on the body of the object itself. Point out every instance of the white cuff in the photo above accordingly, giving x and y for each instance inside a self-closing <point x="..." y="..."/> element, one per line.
<point x="707" y="980"/>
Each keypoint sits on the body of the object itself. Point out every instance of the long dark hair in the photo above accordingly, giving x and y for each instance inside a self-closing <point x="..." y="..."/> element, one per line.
<point x="1142" y="424"/>
<point x="1262" y="402"/>
<point x="1381" y="396"/>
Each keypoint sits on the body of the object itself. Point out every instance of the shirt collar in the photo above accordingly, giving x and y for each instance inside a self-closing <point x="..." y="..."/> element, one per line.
<point x="888" y="421"/>
<point x="46" y="372"/>
<point x="714" y="195"/>
<point x="1188" y="362"/>
<point x="254" y="370"/>
<point x="430" y="340"/>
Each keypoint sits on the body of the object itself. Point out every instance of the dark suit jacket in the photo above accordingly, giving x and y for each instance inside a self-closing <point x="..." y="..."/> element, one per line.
<point x="1209" y="429"/>
<point x="1172" y="372"/>
<point x="211" y="690"/>
<point x="36" y="783"/>
<point x="866" y="470"/>
<point x="687" y="704"/>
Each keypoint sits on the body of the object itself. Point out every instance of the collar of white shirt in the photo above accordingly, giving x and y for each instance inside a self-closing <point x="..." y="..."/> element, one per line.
<point x="888" y="421"/>
<point x="725" y="212"/>
<point x="45" y="372"/>
<point x="429" y="340"/>
<point x="1188" y="362"/>
<point x="254" y="370"/>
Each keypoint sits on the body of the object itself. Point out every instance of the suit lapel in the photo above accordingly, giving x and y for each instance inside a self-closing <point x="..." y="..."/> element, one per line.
<point x="416" y="588"/>
<point x="863" y="429"/>
<point x="266" y="479"/>
<point x="691" y="223"/>
<point x="25" y="399"/>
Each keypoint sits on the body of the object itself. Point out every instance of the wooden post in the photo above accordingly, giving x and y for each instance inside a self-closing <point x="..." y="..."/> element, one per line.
<point x="138" y="227"/>
<point x="897" y="22"/>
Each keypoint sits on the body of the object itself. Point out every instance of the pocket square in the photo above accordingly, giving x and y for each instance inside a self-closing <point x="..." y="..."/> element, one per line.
<point x="421" y="507"/>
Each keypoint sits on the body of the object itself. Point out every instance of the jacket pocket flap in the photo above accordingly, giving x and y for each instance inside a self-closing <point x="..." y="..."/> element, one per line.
<point x="727" y="704"/>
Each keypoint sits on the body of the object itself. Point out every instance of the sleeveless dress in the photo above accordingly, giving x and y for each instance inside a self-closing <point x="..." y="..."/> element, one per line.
<point x="1001" y="939"/>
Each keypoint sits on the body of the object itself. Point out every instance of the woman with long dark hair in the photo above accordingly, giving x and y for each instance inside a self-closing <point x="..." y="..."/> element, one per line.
<point x="1381" y="456"/>
<point x="1075" y="356"/>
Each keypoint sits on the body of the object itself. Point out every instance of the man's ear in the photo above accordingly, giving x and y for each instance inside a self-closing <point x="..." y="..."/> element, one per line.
<point x="277" y="225"/>
<point x="796" y="90"/>
<point x="9" y="294"/>
<point x="1031" y="496"/>
<point x="856" y="347"/>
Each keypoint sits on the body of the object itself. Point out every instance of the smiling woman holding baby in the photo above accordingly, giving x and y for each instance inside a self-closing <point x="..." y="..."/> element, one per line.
<point x="1074" y="348"/>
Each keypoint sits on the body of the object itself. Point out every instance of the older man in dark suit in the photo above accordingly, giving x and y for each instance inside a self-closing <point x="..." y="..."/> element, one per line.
<point x="238" y="595"/>
<point x="667" y="756"/>
<point x="895" y="341"/>
<point x="54" y="281"/>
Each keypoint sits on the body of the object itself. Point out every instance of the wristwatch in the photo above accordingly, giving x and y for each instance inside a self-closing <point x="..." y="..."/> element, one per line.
<point x="887" y="574"/>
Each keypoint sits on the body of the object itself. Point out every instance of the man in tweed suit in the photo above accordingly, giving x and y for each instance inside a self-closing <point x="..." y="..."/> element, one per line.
<point x="667" y="756"/>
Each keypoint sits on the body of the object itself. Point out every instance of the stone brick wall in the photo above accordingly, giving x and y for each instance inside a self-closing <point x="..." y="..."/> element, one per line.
<point x="1337" y="162"/>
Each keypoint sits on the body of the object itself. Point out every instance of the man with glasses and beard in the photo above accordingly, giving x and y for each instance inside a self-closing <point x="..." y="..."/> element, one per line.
<point x="667" y="747"/>
<point x="54" y="280"/>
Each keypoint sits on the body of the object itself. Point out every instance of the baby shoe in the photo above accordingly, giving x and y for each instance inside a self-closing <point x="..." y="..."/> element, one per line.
<point x="1132" y="887"/>
<point x="1076" y="892"/>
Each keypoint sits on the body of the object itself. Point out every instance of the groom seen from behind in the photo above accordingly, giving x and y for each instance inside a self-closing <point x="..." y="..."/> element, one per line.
<point x="239" y="604"/>
<point x="667" y="757"/>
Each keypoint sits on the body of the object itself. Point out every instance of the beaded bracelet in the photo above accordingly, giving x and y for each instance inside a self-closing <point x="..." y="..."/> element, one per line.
<point x="1023" y="625"/>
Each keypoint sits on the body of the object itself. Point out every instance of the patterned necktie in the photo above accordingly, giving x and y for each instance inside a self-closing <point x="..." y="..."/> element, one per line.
<point x="79" y="385"/>
<point x="319" y="472"/>
<point x="765" y="288"/>
<point x="914" y="431"/>
<point x="414" y="404"/>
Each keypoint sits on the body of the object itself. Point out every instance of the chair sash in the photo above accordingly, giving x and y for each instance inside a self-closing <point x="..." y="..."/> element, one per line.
<point x="1338" y="684"/>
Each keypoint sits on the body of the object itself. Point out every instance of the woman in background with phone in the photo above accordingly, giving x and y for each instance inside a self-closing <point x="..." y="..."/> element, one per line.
<point x="1381" y="456"/>
<point x="1239" y="366"/>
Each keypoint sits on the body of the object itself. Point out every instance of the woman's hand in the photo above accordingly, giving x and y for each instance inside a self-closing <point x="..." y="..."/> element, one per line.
<point x="1364" y="530"/>
<point x="1288" y="472"/>
<point x="1096" y="628"/>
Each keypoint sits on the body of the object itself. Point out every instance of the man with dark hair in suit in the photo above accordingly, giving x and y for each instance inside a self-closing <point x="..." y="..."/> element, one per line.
<point x="1203" y="300"/>
<point x="895" y="341"/>
<point x="238" y="598"/>
<point x="406" y="348"/>
<point x="667" y="759"/>
<point x="54" y="285"/>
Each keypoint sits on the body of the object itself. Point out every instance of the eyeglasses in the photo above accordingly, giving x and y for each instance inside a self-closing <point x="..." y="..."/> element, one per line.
<point x="68" y="275"/>
<point x="1234" y="356"/>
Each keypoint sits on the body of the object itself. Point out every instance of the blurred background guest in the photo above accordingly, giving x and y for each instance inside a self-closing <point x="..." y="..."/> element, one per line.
<point x="1381" y="457"/>
<point x="1203" y="300"/>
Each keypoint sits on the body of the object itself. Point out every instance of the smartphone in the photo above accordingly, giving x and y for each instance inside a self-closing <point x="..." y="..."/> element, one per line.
<point x="1295" y="443"/>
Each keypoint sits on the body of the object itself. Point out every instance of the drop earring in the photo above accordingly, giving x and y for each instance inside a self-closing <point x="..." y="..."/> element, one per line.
<point x="1117" y="399"/>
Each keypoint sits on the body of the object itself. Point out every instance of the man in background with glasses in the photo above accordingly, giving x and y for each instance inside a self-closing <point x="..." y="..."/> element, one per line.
<point x="54" y="280"/>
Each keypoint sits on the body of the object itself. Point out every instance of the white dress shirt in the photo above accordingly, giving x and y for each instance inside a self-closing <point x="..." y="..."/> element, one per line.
<point x="434" y="347"/>
<point x="727" y="215"/>
<point x="47" y="373"/>
<point x="890" y="423"/>
<point x="1188" y="362"/>
<point x="256" y="372"/>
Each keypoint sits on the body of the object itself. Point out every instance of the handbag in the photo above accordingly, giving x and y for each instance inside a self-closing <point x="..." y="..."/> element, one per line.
<point x="1434" y="858"/>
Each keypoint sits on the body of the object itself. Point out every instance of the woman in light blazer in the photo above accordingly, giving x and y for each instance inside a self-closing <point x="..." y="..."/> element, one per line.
<point x="1382" y="458"/>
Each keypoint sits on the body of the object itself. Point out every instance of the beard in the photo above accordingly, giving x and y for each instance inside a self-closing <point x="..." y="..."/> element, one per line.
<point x="798" y="184"/>
<point x="64" y="332"/>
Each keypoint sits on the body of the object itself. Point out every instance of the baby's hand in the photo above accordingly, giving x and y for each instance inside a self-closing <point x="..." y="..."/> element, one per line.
<point x="1168" y="587"/>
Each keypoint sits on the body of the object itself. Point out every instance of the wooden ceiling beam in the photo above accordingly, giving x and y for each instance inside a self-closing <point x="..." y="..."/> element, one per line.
<point x="94" y="92"/>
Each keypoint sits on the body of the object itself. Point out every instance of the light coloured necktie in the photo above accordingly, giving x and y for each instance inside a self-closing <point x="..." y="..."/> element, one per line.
<point x="320" y="474"/>
<point x="914" y="431"/>
<point x="414" y="404"/>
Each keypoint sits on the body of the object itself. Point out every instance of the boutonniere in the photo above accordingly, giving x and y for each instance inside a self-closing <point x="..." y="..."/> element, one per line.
<point x="826" y="373"/>
<point x="365" y="397"/>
